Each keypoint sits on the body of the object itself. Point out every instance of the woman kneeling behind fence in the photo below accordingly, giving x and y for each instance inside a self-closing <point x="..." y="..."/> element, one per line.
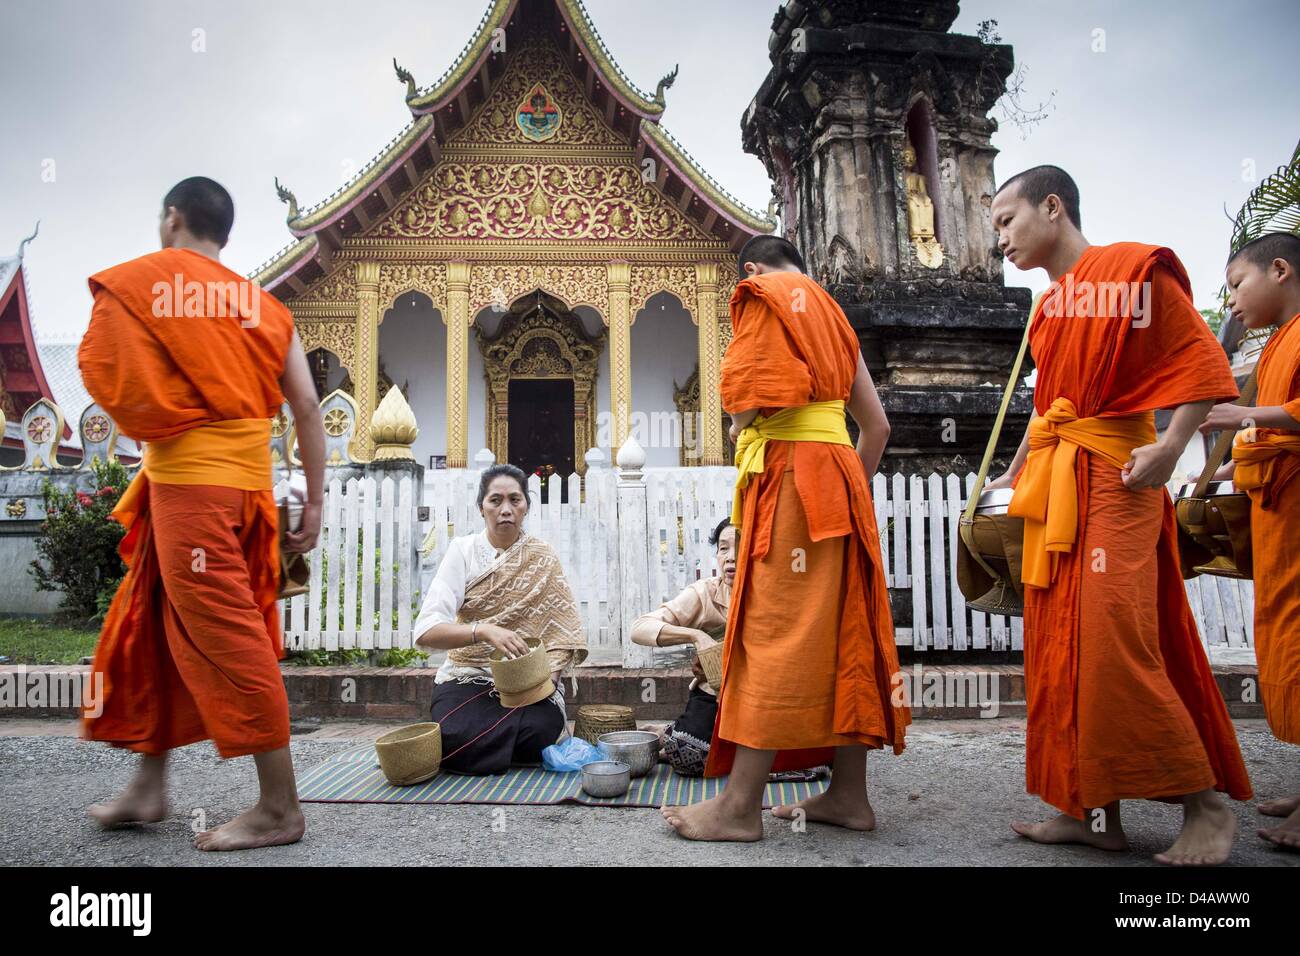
<point x="493" y="590"/>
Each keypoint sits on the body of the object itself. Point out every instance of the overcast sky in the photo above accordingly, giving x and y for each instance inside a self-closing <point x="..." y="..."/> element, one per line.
<point x="1190" y="102"/>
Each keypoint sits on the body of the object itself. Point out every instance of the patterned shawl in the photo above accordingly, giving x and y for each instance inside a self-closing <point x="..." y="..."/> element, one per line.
<point x="524" y="590"/>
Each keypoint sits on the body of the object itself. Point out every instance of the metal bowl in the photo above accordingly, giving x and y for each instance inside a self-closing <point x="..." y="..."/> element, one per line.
<point x="994" y="501"/>
<point x="606" y="778"/>
<point x="639" y="749"/>
<point x="1213" y="490"/>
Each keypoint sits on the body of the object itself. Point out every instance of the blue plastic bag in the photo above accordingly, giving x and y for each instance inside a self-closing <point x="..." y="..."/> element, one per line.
<point x="570" y="754"/>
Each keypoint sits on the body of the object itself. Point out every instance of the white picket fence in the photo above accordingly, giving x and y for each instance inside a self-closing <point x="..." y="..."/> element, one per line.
<point x="365" y="572"/>
<point x="666" y="516"/>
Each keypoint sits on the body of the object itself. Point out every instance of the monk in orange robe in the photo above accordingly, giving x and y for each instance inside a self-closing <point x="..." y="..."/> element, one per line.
<point x="810" y="667"/>
<point x="1263" y="279"/>
<point x="1122" y="703"/>
<point x="194" y="360"/>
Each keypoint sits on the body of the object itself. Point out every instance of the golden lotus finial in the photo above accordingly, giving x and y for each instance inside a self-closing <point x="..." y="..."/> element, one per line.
<point x="393" y="428"/>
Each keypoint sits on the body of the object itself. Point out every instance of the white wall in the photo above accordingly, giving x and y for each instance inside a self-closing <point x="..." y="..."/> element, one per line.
<point x="665" y="346"/>
<point x="413" y="351"/>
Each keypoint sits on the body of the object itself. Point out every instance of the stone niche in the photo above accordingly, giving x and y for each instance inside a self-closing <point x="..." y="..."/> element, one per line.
<point x="873" y="124"/>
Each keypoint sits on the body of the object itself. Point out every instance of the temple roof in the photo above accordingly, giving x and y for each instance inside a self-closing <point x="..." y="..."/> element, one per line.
<point x="444" y="107"/>
<point x="24" y="379"/>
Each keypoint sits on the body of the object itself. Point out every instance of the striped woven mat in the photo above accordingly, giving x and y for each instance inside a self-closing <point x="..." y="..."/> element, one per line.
<point x="353" y="776"/>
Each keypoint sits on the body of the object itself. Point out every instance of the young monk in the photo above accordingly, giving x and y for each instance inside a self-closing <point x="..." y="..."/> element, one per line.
<point x="1122" y="704"/>
<point x="1263" y="279"/>
<point x="194" y="360"/>
<point x="810" y="653"/>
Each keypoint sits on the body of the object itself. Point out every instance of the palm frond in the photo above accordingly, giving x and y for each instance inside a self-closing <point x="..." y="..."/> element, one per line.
<point x="1272" y="206"/>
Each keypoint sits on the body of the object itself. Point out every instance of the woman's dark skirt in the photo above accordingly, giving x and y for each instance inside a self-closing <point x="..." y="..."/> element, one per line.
<point x="480" y="736"/>
<point x="686" y="739"/>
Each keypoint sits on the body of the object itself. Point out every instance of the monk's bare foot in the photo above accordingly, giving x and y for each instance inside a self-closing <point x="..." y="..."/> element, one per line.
<point x="714" y="820"/>
<point x="1281" y="807"/>
<point x="132" y="807"/>
<point x="1206" y="838"/>
<point x="1287" y="835"/>
<point x="254" y="828"/>
<point x="852" y="813"/>
<point x="1066" y="829"/>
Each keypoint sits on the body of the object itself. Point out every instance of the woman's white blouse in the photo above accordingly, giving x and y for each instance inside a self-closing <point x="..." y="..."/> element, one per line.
<point x="467" y="557"/>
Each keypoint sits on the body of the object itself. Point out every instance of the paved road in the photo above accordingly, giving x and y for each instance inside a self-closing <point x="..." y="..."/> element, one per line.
<point x="947" y="800"/>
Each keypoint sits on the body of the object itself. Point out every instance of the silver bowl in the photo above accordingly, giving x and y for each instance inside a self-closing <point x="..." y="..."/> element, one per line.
<point x="639" y="749"/>
<point x="606" y="778"/>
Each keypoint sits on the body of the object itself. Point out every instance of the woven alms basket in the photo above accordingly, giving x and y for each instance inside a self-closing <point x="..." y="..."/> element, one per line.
<point x="596" y="719"/>
<point x="410" y="754"/>
<point x="711" y="662"/>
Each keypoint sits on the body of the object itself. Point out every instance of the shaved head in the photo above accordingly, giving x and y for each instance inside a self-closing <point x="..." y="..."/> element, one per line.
<point x="1036" y="184"/>
<point x="1273" y="245"/>
<point x="206" y="207"/>
<point x="770" y="251"/>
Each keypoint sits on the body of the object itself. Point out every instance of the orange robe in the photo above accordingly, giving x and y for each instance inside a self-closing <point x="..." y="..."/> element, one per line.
<point x="191" y="643"/>
<point x="1267" y="466"/>
<point x="1122" y="703"/>
<point x="810" y="653"/>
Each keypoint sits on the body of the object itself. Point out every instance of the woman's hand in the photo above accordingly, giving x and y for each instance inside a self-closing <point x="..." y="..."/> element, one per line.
<point x="1225" y="472"/>
<point x="703" y="641"/>
<point x="506" y="641"/>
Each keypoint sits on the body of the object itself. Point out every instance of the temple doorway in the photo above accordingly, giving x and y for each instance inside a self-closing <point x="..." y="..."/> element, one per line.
<point x="540" y="365"/>
<point x="541" y="427"/>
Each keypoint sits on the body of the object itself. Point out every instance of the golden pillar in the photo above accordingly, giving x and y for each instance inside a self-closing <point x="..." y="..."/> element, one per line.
<point x="457" y="319"/>
<point x="620" y="351"/>
<point x="365" y="376"/>
<point x="709" y="434"/>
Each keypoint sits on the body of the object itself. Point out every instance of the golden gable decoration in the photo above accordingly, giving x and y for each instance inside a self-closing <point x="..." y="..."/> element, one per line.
<point x="575" y="285"/>
<point x="537" y="65"/>
<point x="464" y="199"/>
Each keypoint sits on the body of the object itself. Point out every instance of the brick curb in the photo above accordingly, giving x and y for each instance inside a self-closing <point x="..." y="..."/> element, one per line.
<point x="402" y="693"/>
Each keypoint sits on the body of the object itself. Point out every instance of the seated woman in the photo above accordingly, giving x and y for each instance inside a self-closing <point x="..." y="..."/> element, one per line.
<point x="493" y="589"/>
<point x="696" y="616"/>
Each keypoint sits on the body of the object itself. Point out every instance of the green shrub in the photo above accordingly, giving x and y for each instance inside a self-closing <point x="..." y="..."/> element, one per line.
<point x="78" y="542"/>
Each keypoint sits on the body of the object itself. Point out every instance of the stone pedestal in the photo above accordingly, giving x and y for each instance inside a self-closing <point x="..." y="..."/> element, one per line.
<point x="854" y="85"/>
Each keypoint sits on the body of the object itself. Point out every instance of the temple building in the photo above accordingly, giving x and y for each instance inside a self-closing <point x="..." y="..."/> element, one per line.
<point x="534" y="261"/>
<point x="42" y="398"/>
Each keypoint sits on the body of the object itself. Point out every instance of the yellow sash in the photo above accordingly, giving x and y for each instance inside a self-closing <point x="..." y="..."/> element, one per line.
<point x="1257" y="455"/>
<point x="816" y="421"/>
<point x="1047" y="496"/>
<point x="234" y="453"/>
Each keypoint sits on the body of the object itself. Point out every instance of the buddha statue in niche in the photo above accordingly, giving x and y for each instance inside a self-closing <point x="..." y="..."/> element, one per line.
<point x="920" y="212"/>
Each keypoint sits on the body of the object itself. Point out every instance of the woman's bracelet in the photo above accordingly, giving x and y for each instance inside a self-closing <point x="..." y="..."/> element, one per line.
<point x="473" y="634"/>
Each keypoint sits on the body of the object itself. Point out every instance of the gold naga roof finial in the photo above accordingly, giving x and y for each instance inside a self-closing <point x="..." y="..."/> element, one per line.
<point x="666" y="82"/>
<point x="287" y="196"/>
<point x="405" y="77"/>
<point x="23" y="245"/>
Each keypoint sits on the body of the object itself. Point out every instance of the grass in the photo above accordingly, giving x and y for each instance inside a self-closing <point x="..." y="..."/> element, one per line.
<point x="36" y="641"/>
<point x="50" y="641"/>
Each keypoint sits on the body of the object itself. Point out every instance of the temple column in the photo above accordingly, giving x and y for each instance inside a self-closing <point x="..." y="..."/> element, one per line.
<point x="620" y="351"/>
<point x="457" y="319"/>
<point x="365" y="373"/>
<point x="709" y="434"/>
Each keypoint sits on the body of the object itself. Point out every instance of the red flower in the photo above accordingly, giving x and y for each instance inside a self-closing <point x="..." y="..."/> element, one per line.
<point x="106" y="490"/>
<point x="84" y="499"/>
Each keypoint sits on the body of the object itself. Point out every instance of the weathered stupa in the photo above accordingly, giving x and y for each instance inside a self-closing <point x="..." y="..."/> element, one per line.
<point x="873" y="124"/>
